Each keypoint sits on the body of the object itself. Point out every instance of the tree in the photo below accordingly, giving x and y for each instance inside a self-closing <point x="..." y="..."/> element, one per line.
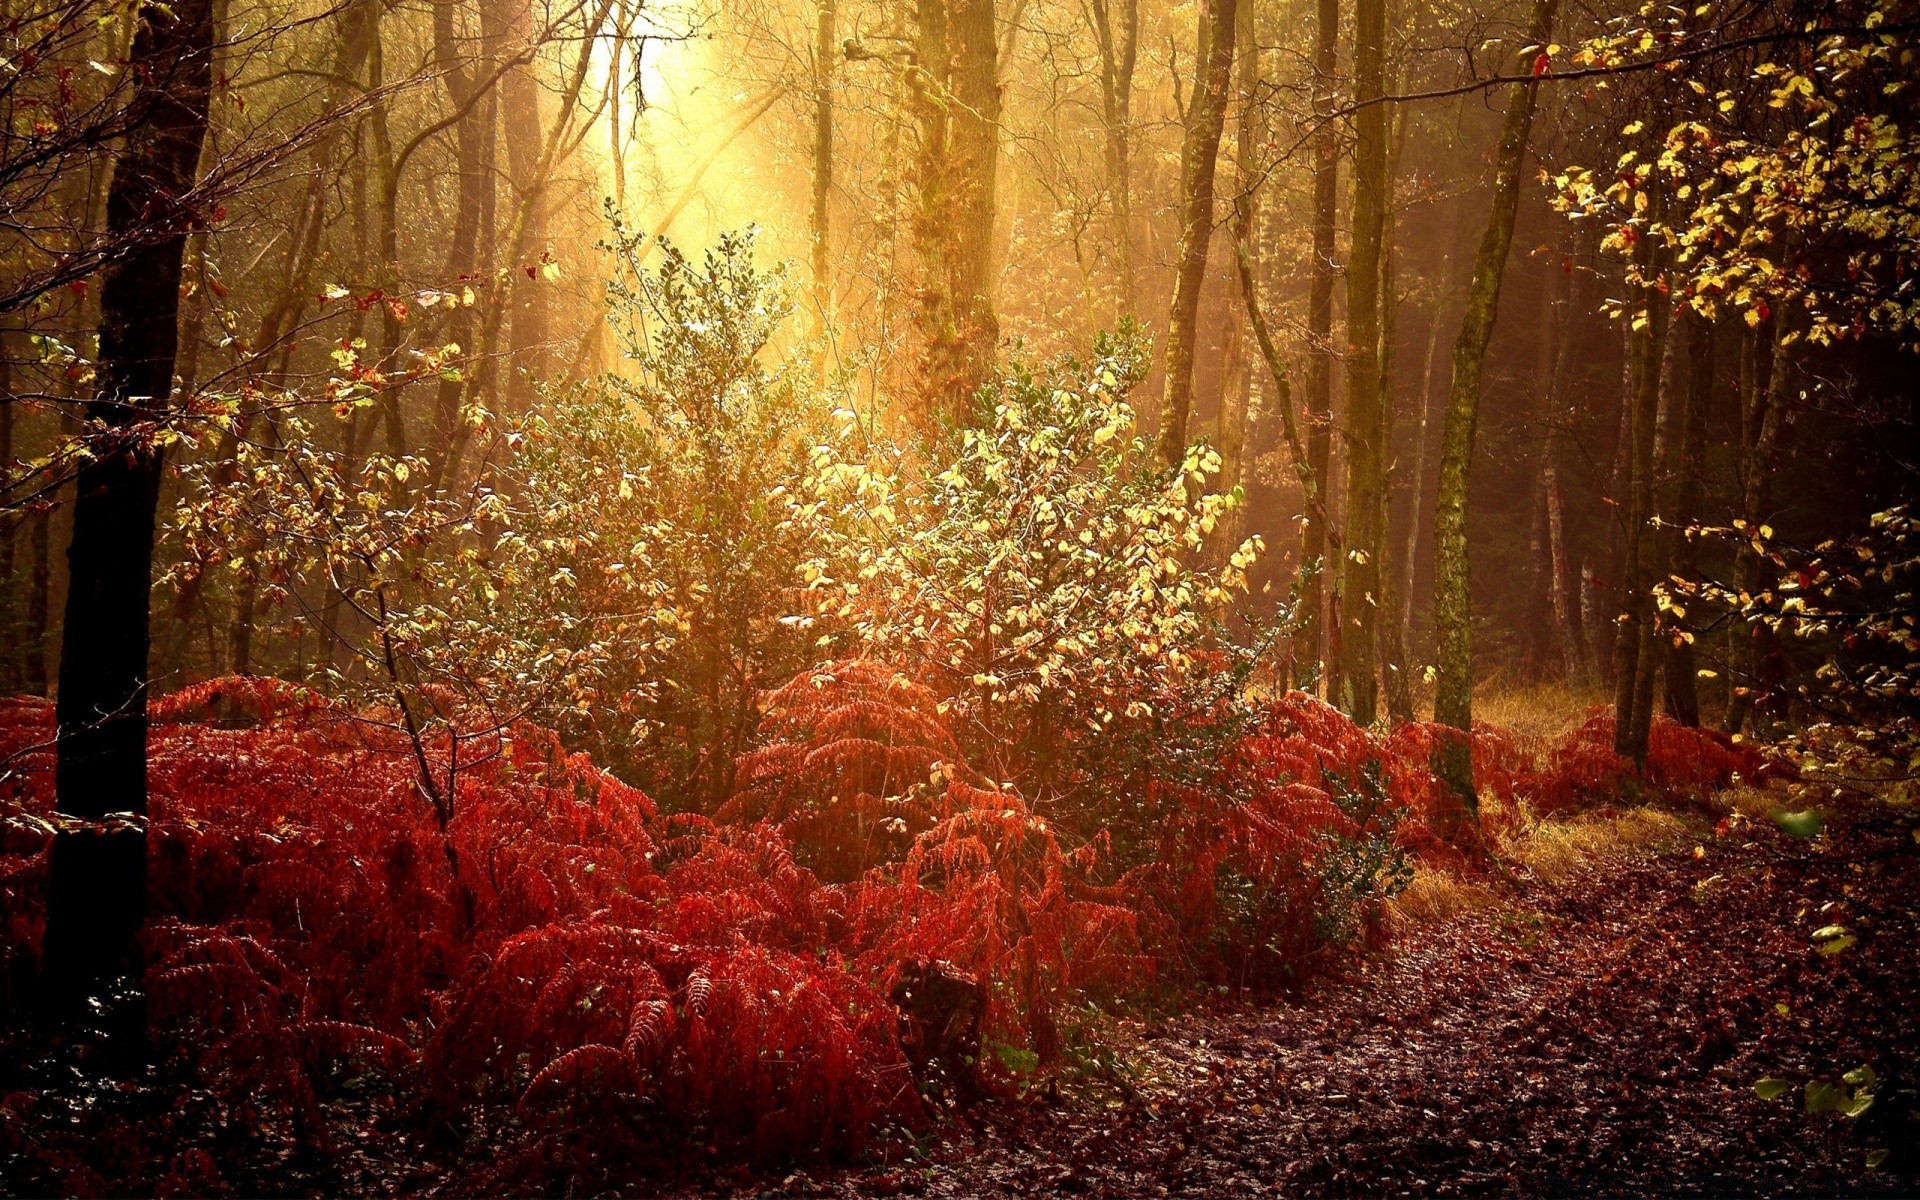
<point x="1314" y="530"/>
<point x="1199" y="156"/>
<point x="1356" y="685"/>
<point x="1452" y="604"/>
<point x="955" y="82"/>
<point x="97" y="891"/>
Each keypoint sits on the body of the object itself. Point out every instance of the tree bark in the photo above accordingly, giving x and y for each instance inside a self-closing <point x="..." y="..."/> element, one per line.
<point x="1396" y="680"/>
<point x="1569" y="632"/>
<point x="1199" y="155"/>
<point x="1647" y="339"/>
<point x="1765" y="420"/>
<point x="33" y="669"/>
<point x="1356" y="685"/>
<point x="1309" y="653"/>
<point x="1237" y="389"/>
<point x="819" y="227"/>
<point x="1452" y="606"/>
<point x="525" y="136"/>
<point x="1682" y="686"/>
<point x="957" y="98"/>
<point x="97" y="890"/>
<point x="1119" y="52"/>
<point x="1656" y="544"/>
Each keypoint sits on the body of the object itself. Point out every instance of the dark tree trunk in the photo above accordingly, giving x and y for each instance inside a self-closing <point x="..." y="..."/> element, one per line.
<point x="97" y="891"/>
<point x="1537" y="626"/>
<point x="1682" y="687"/>
<point x="1569" y="628"/>
<point x="1765" y="421"/>
<point x="1656" y="544"/>
<point x="1647" y="341"/>
<point x="33" y="668"/>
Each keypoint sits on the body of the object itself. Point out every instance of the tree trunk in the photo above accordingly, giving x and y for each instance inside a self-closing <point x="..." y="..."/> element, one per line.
<point x="1309" y="655"/>
<point x="1452" y="604"/>
<point x="1656" y="544"/>
<point x="820" y="229"/>
<point x="1569" y="632"/>
<point x="1395" y="674"/>
<point x="1765" y="419"/>
<point x="1119" y="51"/>
<point x="33" y="670"/>
<point x="957" y="94"/>
<point x="1356" y="686"/>
<point x="97" y="891"/>
<point x="9" y="525"/>
<point x="1237" y="390"/>
<point x="1199" y="153"/>
<point x="525" y="137"/>
<point x="1682" y="686"/>
<point x="1646" y="342"/>
<point x="1537" y="629"/>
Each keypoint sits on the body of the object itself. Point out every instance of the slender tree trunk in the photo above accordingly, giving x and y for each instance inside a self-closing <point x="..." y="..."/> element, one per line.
<point x="1309" y="654"/>
<point x="387" y="230"/>
<point x="33" y="670"/>
<point x="1396" y="678"/>
<point x="1656" y="542"/>
<point x="9" y="527"/>
<point x="1647" y="341"/>
<point x="526" y="135"/>
<point x="97" y="891"/>
<point x="460" y="74"/>
<point x="1356" y="685"/>
<point x="1199" y="154"/>
<point x="820" y="228"/>
<point x="1682" y="687"/>
<point x="1432" y="404"/>
<point x="1237" y="390"/>
<point x="1452" y="604"/>
<point x="1537" y="629"/>
<point x="1766" y="419"/>
<point x="1569" y="634"/>
<point x="1119" y="52"/>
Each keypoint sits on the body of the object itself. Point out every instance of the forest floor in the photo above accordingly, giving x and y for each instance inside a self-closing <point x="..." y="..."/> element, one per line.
<point x="1598" y="1031"/>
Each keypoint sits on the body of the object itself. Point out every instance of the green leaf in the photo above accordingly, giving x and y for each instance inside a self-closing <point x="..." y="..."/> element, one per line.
<point x="1771" y="1089"/>
<point x="1875" y="1158"/>
<point x="1016" y="1060"/>
<point x="1861" y="1076"/>
<point x="1800" y="824"/>
<point x="1832" y="939"/>
<point x="1823" y="1097"/>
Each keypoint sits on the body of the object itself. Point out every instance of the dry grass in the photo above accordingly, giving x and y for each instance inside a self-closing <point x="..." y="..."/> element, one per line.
<point x="1437" y="895"/>
<point x="1540" y="713"/>
<point x="1555" y="851"/>
<point x="1552" y="852"/>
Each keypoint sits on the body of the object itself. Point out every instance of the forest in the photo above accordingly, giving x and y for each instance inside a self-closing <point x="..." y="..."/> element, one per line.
<point x="959" y="597"/>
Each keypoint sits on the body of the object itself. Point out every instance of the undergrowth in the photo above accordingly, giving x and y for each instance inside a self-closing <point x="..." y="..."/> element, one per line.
<point x="582" y="984"/>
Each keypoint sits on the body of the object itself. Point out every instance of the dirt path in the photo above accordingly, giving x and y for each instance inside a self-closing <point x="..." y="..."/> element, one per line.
<point x="1601" y="1037"/>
